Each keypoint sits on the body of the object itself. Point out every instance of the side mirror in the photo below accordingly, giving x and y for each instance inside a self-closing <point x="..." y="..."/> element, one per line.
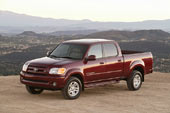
<point x="91" y="58"/>
<point x="48" y="53"/>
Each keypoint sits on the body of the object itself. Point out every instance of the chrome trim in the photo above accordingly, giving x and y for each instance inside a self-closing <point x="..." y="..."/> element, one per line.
<point x="93" y="73"/>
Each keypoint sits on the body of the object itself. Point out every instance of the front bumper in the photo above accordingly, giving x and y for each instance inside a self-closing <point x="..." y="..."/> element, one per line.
<point x="46" y="82"/>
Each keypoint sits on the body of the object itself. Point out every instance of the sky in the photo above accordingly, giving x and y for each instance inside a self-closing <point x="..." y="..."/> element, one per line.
<point x="96" y="10"/>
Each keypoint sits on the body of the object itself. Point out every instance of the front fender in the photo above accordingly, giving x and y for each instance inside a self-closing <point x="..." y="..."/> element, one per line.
<point x="74" y="71"/>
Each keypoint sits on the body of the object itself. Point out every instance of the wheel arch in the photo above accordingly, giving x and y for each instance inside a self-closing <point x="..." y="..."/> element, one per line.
<point x="138" y="65"/>
<point x="75" y="73"/>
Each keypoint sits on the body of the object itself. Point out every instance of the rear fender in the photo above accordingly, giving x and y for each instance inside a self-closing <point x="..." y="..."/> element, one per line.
<point x="137" y="63"/>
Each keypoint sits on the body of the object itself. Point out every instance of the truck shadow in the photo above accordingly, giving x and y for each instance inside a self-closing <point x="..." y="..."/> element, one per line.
<point x="106" y="89"/>
<point x="97" y="91"/>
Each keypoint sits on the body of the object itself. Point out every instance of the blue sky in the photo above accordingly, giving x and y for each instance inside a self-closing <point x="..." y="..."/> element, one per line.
<point x="96" y="10"/>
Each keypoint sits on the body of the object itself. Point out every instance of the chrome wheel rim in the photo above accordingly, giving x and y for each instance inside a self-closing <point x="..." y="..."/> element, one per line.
<point x="136" y="81"/>
<point x="73" y="88"/>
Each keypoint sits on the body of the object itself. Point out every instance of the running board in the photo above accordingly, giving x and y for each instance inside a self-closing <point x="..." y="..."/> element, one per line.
<point x="100" y="83"/>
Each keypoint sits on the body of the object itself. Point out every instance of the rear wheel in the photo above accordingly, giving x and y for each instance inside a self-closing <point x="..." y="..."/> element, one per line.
<point x="72" y="88"/>
<point x="134" y="82"/>
<point x="33" y="90"/>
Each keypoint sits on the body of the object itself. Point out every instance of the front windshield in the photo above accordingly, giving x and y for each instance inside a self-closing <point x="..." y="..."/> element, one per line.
<point x="71" y="51"/>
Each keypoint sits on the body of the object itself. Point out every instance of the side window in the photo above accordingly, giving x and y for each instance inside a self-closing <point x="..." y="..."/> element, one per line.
<point x="110" y="50"/>
<point x="96" y="50"/>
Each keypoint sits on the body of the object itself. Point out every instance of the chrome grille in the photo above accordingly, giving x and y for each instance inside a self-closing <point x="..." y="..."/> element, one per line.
<point x="37" y="70"/>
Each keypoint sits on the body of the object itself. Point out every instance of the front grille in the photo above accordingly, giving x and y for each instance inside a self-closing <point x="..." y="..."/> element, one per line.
<point x="37" y="70"/>
<point x="38" y="74"/>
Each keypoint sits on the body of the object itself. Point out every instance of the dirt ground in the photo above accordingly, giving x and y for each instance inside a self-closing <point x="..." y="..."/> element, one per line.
<point x="153" y="97"/>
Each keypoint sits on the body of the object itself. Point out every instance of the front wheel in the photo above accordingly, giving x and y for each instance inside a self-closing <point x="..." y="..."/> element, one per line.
<point x="72" y="88"/>
<point x="33" y="90"/>
<point x="134" y="82"/>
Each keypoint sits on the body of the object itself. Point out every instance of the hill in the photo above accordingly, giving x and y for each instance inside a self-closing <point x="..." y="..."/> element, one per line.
<point x="72" y="32"/>
<point x="11" y="22"/>
<point x="153" y="97"/>
<point x="139" y="35"/>
<point x="8" y="18"/>
<point x="29" y="33"/>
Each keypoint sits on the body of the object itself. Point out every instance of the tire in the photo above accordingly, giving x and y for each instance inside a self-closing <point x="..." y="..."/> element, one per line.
<point x="33" y="90"/>
<point x="134" y="82"/>
<point x="72" y="88"/>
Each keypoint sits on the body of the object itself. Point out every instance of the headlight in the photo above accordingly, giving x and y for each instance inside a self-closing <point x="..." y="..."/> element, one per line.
<point x="25" y="66"/>
<point x="57" y="71"/>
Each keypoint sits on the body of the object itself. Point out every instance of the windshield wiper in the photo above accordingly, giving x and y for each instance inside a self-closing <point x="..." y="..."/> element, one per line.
<point x="53" y="56"/>
<point x="68" y="57"/>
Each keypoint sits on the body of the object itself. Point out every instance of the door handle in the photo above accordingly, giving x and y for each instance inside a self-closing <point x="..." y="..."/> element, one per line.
<point x="101" y="62"/>
<point x="119" y="60"/>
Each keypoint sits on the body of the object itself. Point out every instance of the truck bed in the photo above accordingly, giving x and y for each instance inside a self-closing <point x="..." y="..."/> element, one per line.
<point x="131" y="57"/>
<point x="130" y="52"/>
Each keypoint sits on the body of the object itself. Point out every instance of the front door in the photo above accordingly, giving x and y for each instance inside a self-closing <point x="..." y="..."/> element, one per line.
<point x="94" y="70"/>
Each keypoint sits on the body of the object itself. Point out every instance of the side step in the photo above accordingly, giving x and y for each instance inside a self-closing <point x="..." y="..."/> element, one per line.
<point x="100" y="83"/>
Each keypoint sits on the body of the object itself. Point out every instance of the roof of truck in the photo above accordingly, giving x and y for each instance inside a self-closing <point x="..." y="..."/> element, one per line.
<point x="87" y="41"/>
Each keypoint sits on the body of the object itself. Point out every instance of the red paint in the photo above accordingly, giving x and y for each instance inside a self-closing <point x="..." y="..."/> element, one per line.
<point x="103" y="70"/>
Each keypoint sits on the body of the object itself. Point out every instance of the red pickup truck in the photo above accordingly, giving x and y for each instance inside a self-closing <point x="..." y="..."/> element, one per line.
<point x="77" y="64"/>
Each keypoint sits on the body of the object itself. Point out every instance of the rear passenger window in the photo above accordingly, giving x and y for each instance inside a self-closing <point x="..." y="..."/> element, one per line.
<point x="110" y="50"/>
<point x="96" y="50"/>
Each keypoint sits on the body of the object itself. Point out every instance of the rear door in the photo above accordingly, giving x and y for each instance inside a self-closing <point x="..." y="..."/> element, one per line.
<point x="94" y="70"/>
<point x="114" y="62"/>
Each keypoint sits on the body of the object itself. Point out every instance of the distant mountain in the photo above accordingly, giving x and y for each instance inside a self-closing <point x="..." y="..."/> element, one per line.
<point x="16" y="23"/>
<point x="28" y="33"/>
<point x="73" y="32"/>
<point x="139" y="35"/>
<point x="118" y="35"/>
<point x="31" y="34"/>
<point x="57" y="33"/>
<point x="149" y="24"/>
<point x="19" y="20"/>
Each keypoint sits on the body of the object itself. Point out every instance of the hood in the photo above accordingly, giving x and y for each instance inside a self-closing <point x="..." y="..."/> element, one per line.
<point x="46" y="61"/>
